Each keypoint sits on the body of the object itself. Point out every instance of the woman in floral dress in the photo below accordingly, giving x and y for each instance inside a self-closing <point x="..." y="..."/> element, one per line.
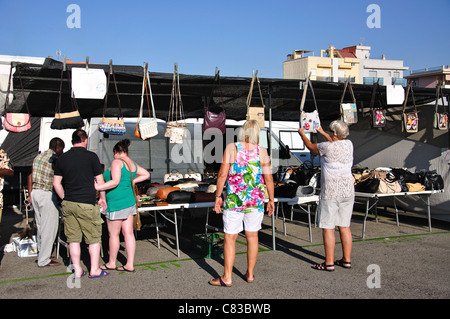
<point x="246" y="170"/>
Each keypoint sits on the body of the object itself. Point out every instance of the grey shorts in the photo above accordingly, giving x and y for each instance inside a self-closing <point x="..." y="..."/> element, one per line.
<point x="121" y="214"/>
<point x="335" y="212"/>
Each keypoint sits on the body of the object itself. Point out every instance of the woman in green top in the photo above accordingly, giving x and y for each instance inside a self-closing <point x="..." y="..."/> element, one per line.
<point x="121" y="203"/>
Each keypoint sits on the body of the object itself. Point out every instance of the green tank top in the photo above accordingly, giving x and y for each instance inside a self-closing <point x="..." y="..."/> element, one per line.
<point x="122" y="195"/>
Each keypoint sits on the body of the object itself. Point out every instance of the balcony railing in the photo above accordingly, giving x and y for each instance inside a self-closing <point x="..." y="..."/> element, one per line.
<point x="368" y="80"/>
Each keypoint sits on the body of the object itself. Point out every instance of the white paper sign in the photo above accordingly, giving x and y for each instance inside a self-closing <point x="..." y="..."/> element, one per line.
<point x="88" y="84"/>
<point x="395" y="94"/>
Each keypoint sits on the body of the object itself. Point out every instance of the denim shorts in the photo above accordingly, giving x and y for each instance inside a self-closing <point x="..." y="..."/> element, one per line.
<point x="82" y="221"/>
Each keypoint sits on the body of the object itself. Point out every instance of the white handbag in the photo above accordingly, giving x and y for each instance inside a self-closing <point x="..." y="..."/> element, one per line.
<point x="349" y="112"/>
<point x="194" y="175"/>
<point x="148" y="127"/>
<point x="309" y="121"/>
<point x="173" y="176"/>
<point x="176" y="123"/>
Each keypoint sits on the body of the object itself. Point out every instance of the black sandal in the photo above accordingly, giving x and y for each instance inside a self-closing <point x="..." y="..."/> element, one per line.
<point x="343" y="263"/>
<point x="323" y="266"/>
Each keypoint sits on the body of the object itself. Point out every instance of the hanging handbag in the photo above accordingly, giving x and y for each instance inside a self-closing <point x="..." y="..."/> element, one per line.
<point x="349" y="112"/>
<point x="146" y="128"/>
<point x="112" y="126"/>
<point x="440" y="119"/>
<point x="378" y="114"/>
<point x="67" y="120"/>
<point x="410" y="119"/>
<point x="176" y="123"/>
<point x="136" y="218"/>
<point x="309" y="121"/>
<point x="214" y="118"/>
<point x="255" y="113"/>
<point x="378" y="117"/>
<point x="16" y="122"/>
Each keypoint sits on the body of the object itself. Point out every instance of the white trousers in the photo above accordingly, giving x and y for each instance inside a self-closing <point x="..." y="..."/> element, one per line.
<point x="46" y="215"/>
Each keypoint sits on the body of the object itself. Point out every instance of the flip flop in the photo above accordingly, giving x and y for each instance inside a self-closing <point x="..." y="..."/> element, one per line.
<point x="102" y="274"/>
<point x="106" y="267"/>
<point x="124" y="269"/>
<point x="249" y="280"/>
<point x="82" y="275"/>
<point x="221" y="283"/>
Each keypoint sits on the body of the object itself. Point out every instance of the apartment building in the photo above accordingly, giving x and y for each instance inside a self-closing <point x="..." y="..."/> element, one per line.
<point x="430" y="77"/>
<point x="335" y="65"/>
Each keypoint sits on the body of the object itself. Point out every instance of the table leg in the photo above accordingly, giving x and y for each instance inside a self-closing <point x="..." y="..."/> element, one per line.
<point x="365" y="218"/>
<point x="273" y="229"/>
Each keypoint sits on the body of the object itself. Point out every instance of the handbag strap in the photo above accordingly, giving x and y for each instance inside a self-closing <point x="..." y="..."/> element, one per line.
<point x="250" y="93"/>
<point x="305" y="89"/>
<point x="21" y="88"/>
<point x="409" y="88"/>
<point x="216" y="79"/>
<point x="441" y="95"/>
<point x="111" y="71"/>
<point x="147" y="90"/>
<point x="349" y="85"/>
<point x="176" y="105"/>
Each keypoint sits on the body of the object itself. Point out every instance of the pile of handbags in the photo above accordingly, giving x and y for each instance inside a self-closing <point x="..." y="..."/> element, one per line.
<point x="386" y="180"/>
<point x="297" y="181"/>
<point x="178" y="188"/>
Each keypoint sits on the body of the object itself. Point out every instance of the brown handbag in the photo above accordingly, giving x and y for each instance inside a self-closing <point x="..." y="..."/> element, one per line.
<point x="164" y="192"/>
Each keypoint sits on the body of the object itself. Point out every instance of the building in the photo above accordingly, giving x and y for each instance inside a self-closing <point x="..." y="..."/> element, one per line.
<point x="430" y="77"/>
<point x="331" y="66"/>
<point x="335" y="65"/>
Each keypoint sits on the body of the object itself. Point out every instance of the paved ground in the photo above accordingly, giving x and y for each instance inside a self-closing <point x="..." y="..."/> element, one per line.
<point x="393" y="262"/>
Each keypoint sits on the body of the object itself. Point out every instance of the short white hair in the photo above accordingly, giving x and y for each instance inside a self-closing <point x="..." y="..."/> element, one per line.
<point x="249" y="132"/>
<point x="339" y="128"/>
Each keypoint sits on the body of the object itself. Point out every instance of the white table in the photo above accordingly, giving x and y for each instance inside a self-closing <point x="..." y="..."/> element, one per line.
<point x="299" y="201"/>
<point x="376" y="197"/>
<point x="161" y="210"/>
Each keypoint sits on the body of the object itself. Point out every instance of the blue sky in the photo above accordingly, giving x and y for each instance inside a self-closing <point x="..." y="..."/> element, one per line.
<point x="235" y="36"/>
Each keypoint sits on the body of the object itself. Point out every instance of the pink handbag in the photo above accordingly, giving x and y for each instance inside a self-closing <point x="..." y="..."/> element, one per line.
<point x="16" y="122"/>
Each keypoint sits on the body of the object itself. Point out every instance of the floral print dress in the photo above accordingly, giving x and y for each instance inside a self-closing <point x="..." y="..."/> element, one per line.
<point x="245" y="187"/>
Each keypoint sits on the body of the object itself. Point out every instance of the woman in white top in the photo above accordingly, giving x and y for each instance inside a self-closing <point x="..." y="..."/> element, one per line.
<point x="336" y="193"/>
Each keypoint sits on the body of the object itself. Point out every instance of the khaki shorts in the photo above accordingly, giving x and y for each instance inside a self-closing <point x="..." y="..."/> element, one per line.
<point x="82" y="220"/>
<point x="335" y="212"/>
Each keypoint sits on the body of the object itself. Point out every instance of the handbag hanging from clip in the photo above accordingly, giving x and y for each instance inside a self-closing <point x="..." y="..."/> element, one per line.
<point x="107" y="125"/>
<point x="213" y="117"/>
<point x="176" y="123"/>
<point x="255" y="112"/>
<point x="16" y="122"/>
<point x="440" y="119"/>
<point x="309" y="121"/>
<point x="146" y="128"/>
<point x="410" y="119"/>
<point x="378" y="114"/>
<point x="349" y="112"/>
<point x="67" y="120"/>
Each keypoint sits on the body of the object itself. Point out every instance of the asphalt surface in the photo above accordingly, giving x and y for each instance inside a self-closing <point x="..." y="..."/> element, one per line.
<point x="405" y="262"/>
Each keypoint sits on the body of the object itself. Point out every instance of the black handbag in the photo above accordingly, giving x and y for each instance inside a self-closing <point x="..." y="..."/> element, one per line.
<point x="286" y="191"/>
<point x="431" y="180"/>
<point x="67" y="120"/>
<point x="180" y="197"/>
<point x="369" y="185"/>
